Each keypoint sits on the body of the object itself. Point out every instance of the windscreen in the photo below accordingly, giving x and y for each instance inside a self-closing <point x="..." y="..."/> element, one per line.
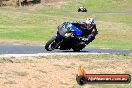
<point x="64" y="28"/>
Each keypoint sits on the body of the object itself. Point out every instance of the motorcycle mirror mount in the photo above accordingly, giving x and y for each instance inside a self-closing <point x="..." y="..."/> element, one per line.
<point x="72" y="30"/>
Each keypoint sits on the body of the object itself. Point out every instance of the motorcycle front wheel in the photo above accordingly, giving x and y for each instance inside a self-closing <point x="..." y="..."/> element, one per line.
<point x="50" y="44"/>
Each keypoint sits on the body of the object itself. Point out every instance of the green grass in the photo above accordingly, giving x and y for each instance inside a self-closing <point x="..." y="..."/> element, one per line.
<point x="10" y="82"/>
<point x="5" y="60"/>
<point x="37" y="26"/>
<point x="101" y="5"/>
<point x="16" y="73"/>
<point x="94" y="5"/>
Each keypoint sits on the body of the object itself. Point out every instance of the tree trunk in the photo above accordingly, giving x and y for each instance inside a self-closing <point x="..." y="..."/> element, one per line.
<point x="20" y="3"/>
<point x="1" y="2"/>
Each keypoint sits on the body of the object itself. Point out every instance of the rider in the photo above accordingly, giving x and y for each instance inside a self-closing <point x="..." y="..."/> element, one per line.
<point x="89" y="30"/>
<point x="92" y="30"/>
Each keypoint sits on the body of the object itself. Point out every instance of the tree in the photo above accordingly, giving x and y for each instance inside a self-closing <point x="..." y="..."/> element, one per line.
<point x="37" y="1"/>
<point x="1" y="2"/>
<point x="19" y="1"/>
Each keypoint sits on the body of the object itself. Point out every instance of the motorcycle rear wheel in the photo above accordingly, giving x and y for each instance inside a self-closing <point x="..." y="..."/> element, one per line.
<point x="76" y="49"/>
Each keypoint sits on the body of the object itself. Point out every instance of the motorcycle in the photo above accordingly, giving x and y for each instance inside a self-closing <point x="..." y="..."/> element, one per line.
<point x="68" y="37"/>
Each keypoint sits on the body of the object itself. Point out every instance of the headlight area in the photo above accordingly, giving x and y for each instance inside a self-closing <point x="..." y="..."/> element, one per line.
<point x="68" y="34"/>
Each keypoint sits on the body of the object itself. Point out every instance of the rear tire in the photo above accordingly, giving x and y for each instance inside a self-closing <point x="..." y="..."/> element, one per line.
<point x="48" y="46"/>
<point x="76" y="49"/>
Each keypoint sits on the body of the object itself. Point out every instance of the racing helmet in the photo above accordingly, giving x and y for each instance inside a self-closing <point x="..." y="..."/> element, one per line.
<point x="90" y="20"/>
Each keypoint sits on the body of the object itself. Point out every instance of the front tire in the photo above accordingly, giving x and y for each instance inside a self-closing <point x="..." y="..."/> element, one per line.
<point x="49" y="46"/>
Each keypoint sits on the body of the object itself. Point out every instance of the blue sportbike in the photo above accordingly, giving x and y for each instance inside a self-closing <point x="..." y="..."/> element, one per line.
<point x="68" y="37"/>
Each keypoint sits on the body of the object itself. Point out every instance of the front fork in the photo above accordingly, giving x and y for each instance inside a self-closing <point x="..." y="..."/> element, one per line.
<point x="58" y="40"/>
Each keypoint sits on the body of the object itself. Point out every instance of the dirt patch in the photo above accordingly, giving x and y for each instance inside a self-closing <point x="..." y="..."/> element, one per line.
<point x="49" y="3"/>
<point x="47" y="72"/>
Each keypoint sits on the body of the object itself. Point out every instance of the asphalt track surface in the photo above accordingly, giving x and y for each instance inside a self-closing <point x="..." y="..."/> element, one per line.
<point x="35" y="49"/>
